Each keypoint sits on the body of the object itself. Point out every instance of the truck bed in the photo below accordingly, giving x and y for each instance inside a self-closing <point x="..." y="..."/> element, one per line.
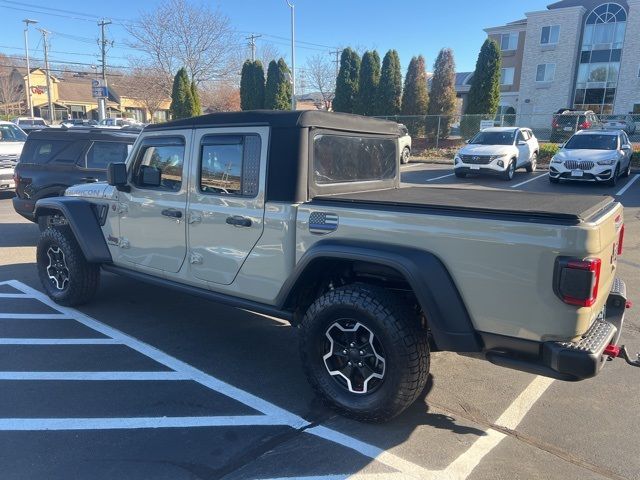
<point x="569" y="209"/>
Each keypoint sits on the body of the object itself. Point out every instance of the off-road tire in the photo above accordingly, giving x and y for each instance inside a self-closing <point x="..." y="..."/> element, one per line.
<point x="509" y="173"/>
<point x="405" y="155"/>
<point x="84" y="277"/>
<point x="532" y="166"/>
<point x="398" y="330"/>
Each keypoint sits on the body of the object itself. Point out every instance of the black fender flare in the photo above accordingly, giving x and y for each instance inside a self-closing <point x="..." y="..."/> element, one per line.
<point x="435" y="289"/>
<point x="83" y="222"/>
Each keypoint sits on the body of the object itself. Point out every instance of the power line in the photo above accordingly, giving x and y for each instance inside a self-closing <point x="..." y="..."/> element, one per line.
<point x="64" y="53"/>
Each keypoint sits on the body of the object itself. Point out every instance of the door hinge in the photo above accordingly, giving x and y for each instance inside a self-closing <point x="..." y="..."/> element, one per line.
<point x="195" y="218"/>
<point x="122" y="208"/>
<point x="195" y="258"/>
<point x="124" y="243"/>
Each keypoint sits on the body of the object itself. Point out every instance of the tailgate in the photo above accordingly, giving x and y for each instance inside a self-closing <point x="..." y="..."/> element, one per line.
<point x="611" y="232"/>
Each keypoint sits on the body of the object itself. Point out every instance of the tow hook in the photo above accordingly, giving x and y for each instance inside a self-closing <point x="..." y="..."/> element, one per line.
<point x="615" y="351"/>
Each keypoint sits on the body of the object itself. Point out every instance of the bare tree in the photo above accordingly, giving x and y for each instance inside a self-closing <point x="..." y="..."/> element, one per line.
<point x="266" y="52"/>
<point x="11" y="92"/>
<point x="321" y="76"/>
<point x="220" y="97"/>
<point x="181" y="33"/>
<point x="146" y="85"/>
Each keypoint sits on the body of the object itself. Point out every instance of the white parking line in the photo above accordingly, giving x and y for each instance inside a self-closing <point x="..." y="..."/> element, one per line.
<point x="438" y="178"/>
<point x="33" y="316"/>
<point x="411" y="165"/>
<point x="58" y="341"/>
<point x="13" y="295"/>
<point x="530" y="180"/>
<point x="626" y="187"/>
<point x="95" y="376"/>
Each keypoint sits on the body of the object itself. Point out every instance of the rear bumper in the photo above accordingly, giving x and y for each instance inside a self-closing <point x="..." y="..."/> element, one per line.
<point x="569" y="361"/>
<point x="24" y="207"/>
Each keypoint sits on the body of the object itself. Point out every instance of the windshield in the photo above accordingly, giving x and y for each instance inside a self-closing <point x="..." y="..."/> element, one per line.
<point x="493" y="138"/>
<point x="592" y="142"/>
<point x="11" y="133"/>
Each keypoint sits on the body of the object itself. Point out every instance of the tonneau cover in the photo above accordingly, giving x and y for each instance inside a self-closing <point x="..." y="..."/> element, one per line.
<point x="527" y="206"/>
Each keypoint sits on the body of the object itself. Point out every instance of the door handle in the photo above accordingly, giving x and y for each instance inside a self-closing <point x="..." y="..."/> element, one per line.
<point x="238" y="221"/>
<point x="89" y="179"/>
<point x="172" y="212"/>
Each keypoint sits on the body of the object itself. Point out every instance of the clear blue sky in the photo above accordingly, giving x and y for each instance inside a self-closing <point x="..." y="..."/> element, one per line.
<point x="412" y="26"/>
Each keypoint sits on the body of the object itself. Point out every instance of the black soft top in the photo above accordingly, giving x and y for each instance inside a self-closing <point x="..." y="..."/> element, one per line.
<point x="82" y="134"/>
<point x="285" y="119"/>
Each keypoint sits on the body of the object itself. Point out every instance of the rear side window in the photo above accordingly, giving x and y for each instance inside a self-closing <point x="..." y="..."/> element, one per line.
<point x="345" y="158"/>
<point x="230" y="165"/>
<point x="101" y="154"/>
<point x="43" y="151"/>
<point x="165" y="154"/>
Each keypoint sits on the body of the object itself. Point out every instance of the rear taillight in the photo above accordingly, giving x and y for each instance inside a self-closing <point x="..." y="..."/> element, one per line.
<point x="621" y="240"/>
<point x="584" y="125"/>
<point x="576" y="281"/>
<point x="554" y="123"/>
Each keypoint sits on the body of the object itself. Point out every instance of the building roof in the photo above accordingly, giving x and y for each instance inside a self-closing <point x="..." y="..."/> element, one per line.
<point x="463" y="78"/>
<point x="588" y="4"/>
<point x="74" y="90"/>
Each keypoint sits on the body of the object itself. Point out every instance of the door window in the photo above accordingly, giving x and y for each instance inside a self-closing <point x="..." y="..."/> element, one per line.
<point x="166" y="155"/>
<point x="520" y="137"/>
<point x="229" y="165"/>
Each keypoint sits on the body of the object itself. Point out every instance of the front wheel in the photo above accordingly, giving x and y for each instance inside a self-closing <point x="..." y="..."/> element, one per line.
<point x="64" y="272"/>
<point x="405" y="155"/>
<point x="510" y="171"/>
<point x="364" y="352"/>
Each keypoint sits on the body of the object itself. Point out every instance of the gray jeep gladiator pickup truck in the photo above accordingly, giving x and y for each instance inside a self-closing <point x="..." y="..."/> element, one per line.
<point x="299" y="215"/>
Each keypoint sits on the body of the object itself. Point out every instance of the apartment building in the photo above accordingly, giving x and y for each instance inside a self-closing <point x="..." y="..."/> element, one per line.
<point x="582" y="54"/>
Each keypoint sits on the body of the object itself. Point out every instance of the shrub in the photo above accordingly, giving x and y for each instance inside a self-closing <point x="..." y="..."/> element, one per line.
<point x="547" y="150"/>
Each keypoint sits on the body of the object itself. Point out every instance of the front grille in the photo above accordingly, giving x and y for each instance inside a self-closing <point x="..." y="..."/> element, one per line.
<point x="476" y="159"/>
<point x="576" y="165"/>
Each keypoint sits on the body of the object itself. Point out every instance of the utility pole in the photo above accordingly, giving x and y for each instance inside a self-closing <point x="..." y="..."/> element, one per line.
<point x="252" y="43"/>
<point x="27" y="21"/>
<point x="337" y="53"/>
<point x="293" y="54"/>
<point x="45" y="42"/>
<point x="102" y="101"/>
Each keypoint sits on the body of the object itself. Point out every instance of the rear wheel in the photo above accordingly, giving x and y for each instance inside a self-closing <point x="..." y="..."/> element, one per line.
<point x="364" y="352"/>
<point x="533" y="163"/>
<point x="405" y="155"/>
<point x="64" y="272"/>
<point x="510" y="171"/>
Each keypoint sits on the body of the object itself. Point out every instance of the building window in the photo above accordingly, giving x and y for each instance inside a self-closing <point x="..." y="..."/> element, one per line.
<point x="599" y="61"/>
<point x="506" y="76"/>
<point x="550" y="35"/>
<point x="546" y="72"/>
<point x="509" y="41"/>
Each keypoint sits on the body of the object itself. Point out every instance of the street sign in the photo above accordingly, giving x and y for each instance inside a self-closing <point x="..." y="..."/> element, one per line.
<point x="486" y="124"/>
<point x="99" y="88"/>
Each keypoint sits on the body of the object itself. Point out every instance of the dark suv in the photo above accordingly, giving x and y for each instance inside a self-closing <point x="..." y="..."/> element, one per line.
<point x="567" y="122"/>
<point x="54" y="159"/>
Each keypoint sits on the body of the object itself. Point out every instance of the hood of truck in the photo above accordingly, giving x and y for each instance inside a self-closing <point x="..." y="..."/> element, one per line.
<point x="484" y="150"/>
<point x="92" y="190"/>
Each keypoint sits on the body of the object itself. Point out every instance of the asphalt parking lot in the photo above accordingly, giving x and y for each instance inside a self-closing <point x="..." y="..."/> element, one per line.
<point x="149" y="383"/>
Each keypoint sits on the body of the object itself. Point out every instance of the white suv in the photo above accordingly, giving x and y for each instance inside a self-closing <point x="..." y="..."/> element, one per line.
<point x="11" y="142"/>
<point x="498" y="151"/>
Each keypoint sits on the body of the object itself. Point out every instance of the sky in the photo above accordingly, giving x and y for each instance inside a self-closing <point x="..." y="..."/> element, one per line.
<point x="412" y="27"/>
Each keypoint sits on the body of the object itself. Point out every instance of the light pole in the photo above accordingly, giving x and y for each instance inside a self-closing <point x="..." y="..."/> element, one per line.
<point x="27" y="21"/>
<point x="293" y="54"/>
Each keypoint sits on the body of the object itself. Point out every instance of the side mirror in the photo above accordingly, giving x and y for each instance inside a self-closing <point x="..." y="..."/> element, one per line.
<point x="117" y="176"/>
<point x="150" y="176"/>
<point x="626" y="147"/>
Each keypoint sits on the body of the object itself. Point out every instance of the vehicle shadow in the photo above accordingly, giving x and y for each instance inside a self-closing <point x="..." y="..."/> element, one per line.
<point x="7" y="195"/>
<point x="18" y="235"/>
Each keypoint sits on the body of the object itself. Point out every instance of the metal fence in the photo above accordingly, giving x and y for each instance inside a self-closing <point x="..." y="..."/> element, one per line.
<point x="439" y="131"/>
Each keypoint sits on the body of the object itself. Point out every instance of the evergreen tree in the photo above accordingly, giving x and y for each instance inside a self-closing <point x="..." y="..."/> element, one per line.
<point x="390" y="86"/>
<point x="252" y="85"/>
<point x="181" y="96"/>
<point x="415" y="97"/>
<point x="368" y="83"/>
<point x="443" y="94"/>
<point x="484" y="93"/>
<point x="197" y="106"/>
<point x="347" y="82"/>
<point x="277" y="94"/>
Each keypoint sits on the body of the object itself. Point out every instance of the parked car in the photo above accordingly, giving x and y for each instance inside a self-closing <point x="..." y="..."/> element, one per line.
<point x="12" y="140"/>
<point x="593" y="156"/>
<point x="621" y="122"/>
<point x="79" y="122"/>
<point x="29" y="124"/>
<point x="299" y="215"/>
<point x="566" y="122"/>
<point x="117" y="122"/>
<point x="498" y="151"/>
<point x="54" y="159"/>
<point x="404" y="144"/>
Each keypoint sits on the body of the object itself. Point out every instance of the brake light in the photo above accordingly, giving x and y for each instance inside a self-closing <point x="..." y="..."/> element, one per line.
<point x="577" y="281"/>
<point x="621" y="240"/>
<point x="584" y="125"/>
<point x="554" y="123"/>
